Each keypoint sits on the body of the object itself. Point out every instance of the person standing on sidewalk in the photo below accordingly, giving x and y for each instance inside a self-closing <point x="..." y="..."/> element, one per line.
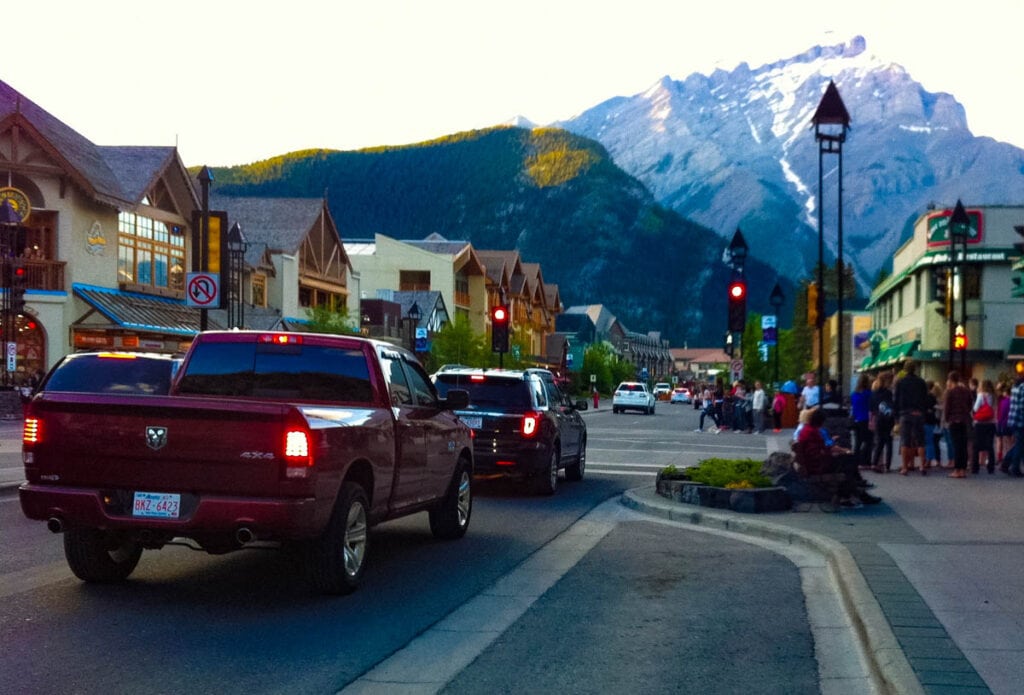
<point x="881" y="413"/>
<point x="778" y="408"/>
<point x="758" y="401"/>
<point x="860" y="405"/>
<point x="911" y="401"/>
<point x="1015" y="421"/>
<point x="956" y="412"/>
<point x="932" y="455"/>
<point x="984" y="416"/>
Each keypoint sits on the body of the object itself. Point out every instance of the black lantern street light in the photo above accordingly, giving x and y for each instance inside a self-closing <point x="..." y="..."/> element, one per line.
<point x="831" y="121"/>
<point x="959" y="232"/>
<point x="236" y="274"/>
<point x="736" y="258"/>
<point x="414" y="317"/>
<point x="776" y="298"/>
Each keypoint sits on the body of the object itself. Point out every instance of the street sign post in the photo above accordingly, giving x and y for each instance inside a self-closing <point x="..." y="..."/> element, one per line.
<point x="202" y="290"/>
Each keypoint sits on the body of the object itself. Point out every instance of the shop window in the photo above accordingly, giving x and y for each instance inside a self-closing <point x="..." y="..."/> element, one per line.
<point x="259" y="289"/>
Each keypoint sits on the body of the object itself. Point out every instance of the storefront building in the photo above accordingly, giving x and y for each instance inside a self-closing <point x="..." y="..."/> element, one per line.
<point x="104" y="236"/>
<point x="919" y="307"/>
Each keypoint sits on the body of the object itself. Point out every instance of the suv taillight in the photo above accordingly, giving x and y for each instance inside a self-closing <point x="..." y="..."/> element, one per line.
<point x="530" y="424"/>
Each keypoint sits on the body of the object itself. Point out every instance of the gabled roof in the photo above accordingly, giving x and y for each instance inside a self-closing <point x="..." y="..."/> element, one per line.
<point x="552" y="297"/>
<point x="279" y="224"/>
<point x="429" y="302"/>
<point x="464" y="257"/>
<point x="603" y="319"/>
<point x="502" y="265"/>
<point x="117" y="176"/>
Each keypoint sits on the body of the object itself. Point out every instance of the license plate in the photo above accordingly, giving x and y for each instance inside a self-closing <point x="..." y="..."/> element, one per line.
<point x="160" y="505"/>
<point x="473" y="422"/>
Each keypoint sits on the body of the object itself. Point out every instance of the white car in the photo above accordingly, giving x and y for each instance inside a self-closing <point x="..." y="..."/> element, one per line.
<point x="633" y="395"/>
<point x="662" y="391"/>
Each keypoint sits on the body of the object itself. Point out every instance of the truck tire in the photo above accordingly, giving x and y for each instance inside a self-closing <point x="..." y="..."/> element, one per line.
<point x="450" y="518"/>
<point x="98" y="557"/>
<point x="546" y="481"/>
<point x="577" y="468"/>
<point x="337" y="559"/>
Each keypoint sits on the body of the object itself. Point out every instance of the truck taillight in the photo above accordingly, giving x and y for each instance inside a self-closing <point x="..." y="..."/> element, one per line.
<point x="296" y="453"/>
<point x="31" y="431"/>
<point x="531" y="423"/>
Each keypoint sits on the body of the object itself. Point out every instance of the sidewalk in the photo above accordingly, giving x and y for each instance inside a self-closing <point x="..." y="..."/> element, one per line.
<point x="936" y="571"/>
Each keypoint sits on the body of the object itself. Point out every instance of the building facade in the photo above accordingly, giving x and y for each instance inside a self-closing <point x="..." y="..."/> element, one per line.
<point x="933" y="290"/>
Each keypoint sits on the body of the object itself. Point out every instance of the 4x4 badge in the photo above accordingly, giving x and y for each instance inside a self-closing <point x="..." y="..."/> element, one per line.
<point x="156" y="437"/>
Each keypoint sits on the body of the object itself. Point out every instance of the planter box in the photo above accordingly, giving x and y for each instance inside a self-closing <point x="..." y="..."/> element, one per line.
<point x="751" y="501"/>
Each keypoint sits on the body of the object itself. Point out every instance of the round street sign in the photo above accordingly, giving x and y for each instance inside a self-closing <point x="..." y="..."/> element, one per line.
<point x="202" y="290"/>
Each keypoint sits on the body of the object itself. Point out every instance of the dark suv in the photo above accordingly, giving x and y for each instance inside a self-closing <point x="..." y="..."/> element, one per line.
<point x="523" y="425"/>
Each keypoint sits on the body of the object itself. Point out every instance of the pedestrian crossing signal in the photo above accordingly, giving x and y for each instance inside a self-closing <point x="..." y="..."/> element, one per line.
<point x="960" y="339"/>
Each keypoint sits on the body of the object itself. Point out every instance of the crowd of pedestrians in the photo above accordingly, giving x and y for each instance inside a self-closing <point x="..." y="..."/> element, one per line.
<point x="979" y="424"/>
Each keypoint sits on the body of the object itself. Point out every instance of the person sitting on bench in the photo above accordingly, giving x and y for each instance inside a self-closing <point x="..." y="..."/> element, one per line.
<point x="820" y="456"/>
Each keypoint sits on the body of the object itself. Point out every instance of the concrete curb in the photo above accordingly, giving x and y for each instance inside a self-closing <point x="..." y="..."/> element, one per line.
<point x="888" y="663"/>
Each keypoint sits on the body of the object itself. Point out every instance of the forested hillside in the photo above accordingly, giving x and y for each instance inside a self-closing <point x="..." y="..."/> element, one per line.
<point x="554" y="196"/>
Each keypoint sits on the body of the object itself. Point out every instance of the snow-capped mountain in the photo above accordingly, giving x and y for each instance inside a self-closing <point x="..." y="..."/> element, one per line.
<point x="737" y="150"/>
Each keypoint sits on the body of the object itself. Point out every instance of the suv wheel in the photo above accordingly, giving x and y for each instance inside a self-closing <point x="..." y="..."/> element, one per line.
<point x="100" y="557"/>
<point x="578" y="467"/>
<point x="546" y="482"/>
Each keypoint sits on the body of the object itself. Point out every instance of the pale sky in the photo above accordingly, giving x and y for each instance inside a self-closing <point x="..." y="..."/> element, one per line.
<point x="237" y="81"/>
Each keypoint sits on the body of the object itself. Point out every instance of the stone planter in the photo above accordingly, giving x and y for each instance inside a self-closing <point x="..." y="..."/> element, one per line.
<point x="751" y="501"/>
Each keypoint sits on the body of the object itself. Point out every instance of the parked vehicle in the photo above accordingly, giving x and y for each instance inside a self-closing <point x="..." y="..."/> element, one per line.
<point x="633" y="395"/>
<point x="283" y="439"/>
<point x="143" y="373"/>
<point x="680" y="395"/>
<point x="524" y="426"/>
<point x="662" y="391"/>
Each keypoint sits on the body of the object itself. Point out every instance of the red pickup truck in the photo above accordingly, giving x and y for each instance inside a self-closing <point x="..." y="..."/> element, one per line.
<point x="292" y="439"/>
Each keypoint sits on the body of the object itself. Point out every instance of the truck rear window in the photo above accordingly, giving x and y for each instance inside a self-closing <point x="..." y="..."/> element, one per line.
<point x="283" y="372"/>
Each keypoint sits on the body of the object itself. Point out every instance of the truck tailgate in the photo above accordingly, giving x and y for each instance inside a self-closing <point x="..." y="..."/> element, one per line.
<point x="157" y="444"/>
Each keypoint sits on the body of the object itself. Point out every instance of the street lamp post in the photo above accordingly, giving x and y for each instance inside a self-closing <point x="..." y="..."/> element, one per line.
<point x="414" y="316"/>
<point x="831" y="121"/>
<point x="776" y="298"/>
<point x="959" y="231"/>
<point x="9" y="220"/>
<point x="236" y="274"/>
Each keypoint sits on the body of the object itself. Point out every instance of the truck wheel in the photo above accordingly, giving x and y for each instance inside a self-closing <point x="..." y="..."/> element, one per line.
<point x="99" y="557"/>
<point x="546" y="482"/>
<point x="450" y="518"/>
<point x="337" y="559"/>
<point x="575" y="470"/>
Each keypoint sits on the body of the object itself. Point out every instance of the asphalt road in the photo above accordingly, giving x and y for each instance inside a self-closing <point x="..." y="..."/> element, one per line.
<point x="649" y="608"/>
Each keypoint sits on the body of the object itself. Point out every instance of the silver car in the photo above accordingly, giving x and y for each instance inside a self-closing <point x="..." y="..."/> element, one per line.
<point x="633" y="395"/>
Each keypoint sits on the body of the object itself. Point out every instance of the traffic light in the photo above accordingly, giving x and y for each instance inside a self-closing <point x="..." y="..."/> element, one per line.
<point x="941" y="277"/>
<point x="499" y="328"/>
<point x="19" y="278"/>
<point x="812" y="304"/>
<point x="737" y="306"/>
<point x="960" y="339"/>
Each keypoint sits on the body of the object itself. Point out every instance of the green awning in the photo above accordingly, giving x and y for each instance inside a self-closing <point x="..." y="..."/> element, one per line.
<point x="865" y="364"/>
<point x="895" y="354"/>
<point x="1016" y="349"/>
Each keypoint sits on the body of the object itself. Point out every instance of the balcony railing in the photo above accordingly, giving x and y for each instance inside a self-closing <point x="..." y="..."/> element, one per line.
<point x="43" y="275"/>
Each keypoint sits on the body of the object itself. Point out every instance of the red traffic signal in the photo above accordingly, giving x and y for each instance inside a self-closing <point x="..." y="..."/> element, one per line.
<point x="737" y="290"/>
<point x="499" y="314"/>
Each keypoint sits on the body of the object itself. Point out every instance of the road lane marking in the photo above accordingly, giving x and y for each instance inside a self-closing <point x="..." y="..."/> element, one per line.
<point x="431" y="660"/>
